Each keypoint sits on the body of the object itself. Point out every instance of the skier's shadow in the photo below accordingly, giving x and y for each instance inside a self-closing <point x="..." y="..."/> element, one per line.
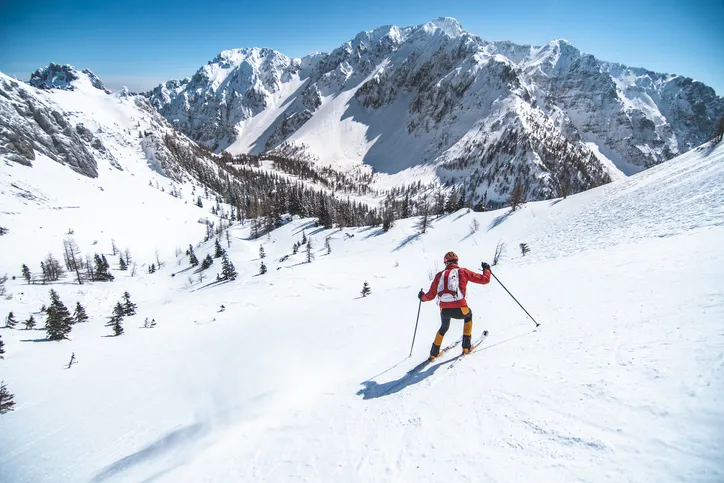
<point x="374" y="390"/>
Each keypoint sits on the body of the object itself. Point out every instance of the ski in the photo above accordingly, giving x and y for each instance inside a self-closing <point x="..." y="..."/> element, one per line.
<point x="476" y="344"/>
<point x="427" y="362"/>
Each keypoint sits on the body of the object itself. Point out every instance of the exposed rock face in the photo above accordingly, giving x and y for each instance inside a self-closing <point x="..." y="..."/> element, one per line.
<point x="28" y="124"/>
<point x="55" y="76"/>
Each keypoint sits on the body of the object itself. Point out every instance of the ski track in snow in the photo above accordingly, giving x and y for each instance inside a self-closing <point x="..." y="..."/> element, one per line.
<point x="623" y="381"/>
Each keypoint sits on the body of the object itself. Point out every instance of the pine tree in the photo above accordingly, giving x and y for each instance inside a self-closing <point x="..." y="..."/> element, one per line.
<point x="122" y="264"/>
<point x="310" y="255"/>
<point x="262" y="269"/>
<point x="30" y="323"/>
<point x="80" y="315"/>
<point x="228" y="272"/>
<point x="218" y="251"/>
<point x="524" y="248"/>
<point x="116" y="319"/>
<point x="304" y="238"/>
<point x="207" y="262"/>
<point x="262" y="255"/>
<point x="59" y="321"/>
<point x="295" y="248"/>
<point x="192" y="258"/>
<point x="152" y="268"/>
<point x="129" y="308"/>
<point x="366" y="290"/>
<point x="26" y="273"/>
<point x="452" y="202"/>
<point x="424" y="222"/>
<point x="2" y="347"/>
<point x="327" y="245"/>
<point x="10" y="321"/>
<point x="6" y="399"/>
<point x="102" y="271"/>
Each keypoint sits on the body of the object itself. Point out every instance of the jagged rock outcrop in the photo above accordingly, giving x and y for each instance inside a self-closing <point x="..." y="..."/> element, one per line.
<point x="28" y="124"/>
<point x="56" y="76"/>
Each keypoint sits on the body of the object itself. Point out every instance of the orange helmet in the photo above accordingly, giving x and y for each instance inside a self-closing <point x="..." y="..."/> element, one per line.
<point x="450" y="257"/>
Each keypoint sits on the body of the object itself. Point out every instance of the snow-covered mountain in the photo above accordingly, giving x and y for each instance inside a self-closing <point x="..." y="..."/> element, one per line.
<point x="435" y="95"/>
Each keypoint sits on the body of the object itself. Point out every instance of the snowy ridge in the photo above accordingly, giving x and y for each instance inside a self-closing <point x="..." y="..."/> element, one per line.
<point x="623" y="381"/>
<point x="394" y="98"/>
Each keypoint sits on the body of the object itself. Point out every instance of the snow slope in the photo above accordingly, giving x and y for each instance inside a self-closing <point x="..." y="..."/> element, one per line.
<point x="301" y="379"/>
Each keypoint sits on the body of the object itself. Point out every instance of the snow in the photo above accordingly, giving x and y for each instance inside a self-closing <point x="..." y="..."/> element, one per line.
<point x="624" y="381"/>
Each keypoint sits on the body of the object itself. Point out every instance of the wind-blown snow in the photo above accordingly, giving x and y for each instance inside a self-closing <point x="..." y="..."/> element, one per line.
<point x="301" y="379"/>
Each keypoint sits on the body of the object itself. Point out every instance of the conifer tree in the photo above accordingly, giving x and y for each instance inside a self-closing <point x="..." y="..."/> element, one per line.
<point x="26" y="273"/>
<point x="262" y="255"/>
<point x="228" y="272"/>
<point x="152" y="268"/>
<point x="524" y="248"/>
<point x="59" y="321"/>
<point x="102" y="271"/>
<point x="218" y="251"/>
<point x="30" y="323"/>
<point x="366" y="290"/>
<point x="116" y="319"/>
<point x="6" y="399"/>
<point x="129" y="308"/>
<point x="80" y="315"/>
<point x="122" y="264"/>
<point x="310" y="255"/>
<point x="262" y="269"/>
<point x="295" y="248"/>
<point x="192" y="258"/>
<point x="10" y="321"/>
<point x="2" y="347"/>
<point x="304" y="238"/>
<point x="327" y="245"/>
<point x="207" y="262"/>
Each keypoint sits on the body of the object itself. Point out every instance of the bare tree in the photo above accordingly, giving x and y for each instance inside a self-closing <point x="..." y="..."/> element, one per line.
<point x="517" y="196"/>
<point x="474" y="226"/>
<point x="52" y="269"/>
<point x="158" y="260"/>
<point x="499" y="250"/>
<point x="73" y="259"/>
<point x="114" y="246"/>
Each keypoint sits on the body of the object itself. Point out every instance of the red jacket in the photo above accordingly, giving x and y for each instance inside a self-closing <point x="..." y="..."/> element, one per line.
<point x="465" y="276"/>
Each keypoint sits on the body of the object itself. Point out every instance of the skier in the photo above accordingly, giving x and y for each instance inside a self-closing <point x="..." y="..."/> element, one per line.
<point x="449" y="285"/>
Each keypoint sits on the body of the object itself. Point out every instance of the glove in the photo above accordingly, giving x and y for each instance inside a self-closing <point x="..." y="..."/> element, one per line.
<point x="419" y="295"/>
<point x="485" y="266"/>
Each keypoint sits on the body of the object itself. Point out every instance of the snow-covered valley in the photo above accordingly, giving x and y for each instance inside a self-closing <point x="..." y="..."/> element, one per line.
<point x="299" y="378"/>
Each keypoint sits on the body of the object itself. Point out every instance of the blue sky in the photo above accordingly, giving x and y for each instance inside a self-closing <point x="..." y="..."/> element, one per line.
<point x="141" y="44"/>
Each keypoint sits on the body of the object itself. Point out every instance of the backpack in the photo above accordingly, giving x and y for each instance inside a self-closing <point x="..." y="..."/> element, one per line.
<point x="448" y="288"/>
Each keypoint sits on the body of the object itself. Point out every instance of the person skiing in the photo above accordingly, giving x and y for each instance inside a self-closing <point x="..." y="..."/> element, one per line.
<point x="449" y="285"/>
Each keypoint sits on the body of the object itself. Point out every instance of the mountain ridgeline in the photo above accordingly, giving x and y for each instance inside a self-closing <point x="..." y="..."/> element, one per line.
<point x="386" y="125"/>
<point x="484" y="112"/>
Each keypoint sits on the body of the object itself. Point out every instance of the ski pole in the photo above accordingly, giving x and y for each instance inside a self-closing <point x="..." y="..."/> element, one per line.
<point x="416" y="321"/>
<point x="516" y="300"/>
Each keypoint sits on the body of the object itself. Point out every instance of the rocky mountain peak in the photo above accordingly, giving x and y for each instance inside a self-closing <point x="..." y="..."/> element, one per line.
<point x="65" y="77"/>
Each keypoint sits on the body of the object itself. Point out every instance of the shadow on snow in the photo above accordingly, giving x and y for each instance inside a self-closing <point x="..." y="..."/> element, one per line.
<point x="374" y="390"/>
